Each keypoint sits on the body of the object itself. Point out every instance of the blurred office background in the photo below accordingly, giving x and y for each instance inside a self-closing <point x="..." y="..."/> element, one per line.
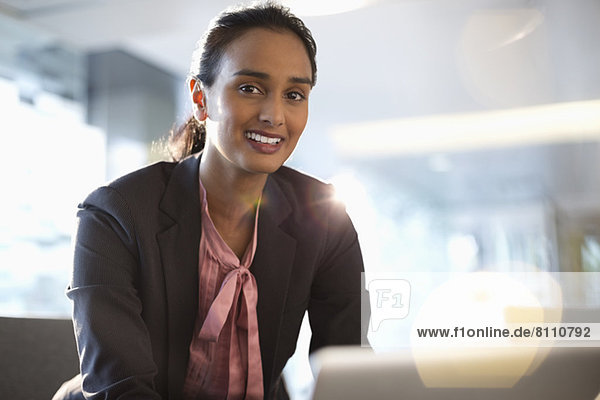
<point x="462" y="134"/>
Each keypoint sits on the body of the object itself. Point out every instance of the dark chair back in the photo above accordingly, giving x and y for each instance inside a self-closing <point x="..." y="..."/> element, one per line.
<point x="36" y="357"/>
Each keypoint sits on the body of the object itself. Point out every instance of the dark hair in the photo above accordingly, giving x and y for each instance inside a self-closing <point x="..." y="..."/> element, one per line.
<point x="190" y="137"/>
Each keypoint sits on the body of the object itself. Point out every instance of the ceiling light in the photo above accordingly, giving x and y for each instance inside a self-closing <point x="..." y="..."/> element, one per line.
<point x="550" y="123"/>
<point x="320" y="7"/>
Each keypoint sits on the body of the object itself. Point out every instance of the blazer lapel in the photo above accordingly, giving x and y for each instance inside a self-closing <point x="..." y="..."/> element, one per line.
<point x="179" y="255"/>
<point x="272" y="267"/>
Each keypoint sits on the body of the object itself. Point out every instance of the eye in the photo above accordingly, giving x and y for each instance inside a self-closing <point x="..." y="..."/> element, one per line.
<point x="295" y="96"/>
<point x="250" y="89"/>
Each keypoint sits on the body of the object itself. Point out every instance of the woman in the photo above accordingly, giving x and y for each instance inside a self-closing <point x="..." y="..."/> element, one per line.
<point x="191" y="278"/>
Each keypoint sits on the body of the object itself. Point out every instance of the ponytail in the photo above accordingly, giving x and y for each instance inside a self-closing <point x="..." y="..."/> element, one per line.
<point x="186" y="139"/>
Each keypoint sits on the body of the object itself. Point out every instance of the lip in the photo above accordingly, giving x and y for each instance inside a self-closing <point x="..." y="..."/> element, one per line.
<point x="265" y="133"/>
<point x="264" y="148"/>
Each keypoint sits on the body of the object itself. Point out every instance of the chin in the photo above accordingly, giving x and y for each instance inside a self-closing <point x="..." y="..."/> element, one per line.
<point x="263" y="168"/>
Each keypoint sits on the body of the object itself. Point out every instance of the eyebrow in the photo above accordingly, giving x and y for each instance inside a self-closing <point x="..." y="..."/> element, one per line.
<point x="265" y="76"/>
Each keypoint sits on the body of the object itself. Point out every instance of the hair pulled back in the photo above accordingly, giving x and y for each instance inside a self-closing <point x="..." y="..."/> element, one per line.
<point x="190" y="137"/>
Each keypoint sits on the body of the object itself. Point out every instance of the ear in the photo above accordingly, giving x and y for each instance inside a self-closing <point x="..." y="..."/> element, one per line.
<point x="198" y="99"/>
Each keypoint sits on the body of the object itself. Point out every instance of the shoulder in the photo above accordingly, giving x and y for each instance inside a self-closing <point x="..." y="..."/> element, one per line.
<point x="318" y="220"/>
<point x="144" y="186"/>
<point x="290" y="174"/>
<point x="313" y="202"/>
<point x="144" y="180"/>
<point x="301" y="188"/>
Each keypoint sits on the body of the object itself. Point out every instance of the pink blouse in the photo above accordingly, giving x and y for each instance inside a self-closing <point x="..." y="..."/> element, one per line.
<point x="225" y="358"/>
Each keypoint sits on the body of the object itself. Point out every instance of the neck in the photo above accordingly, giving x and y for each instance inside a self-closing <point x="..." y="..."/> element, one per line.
<point x="232" y="195"/>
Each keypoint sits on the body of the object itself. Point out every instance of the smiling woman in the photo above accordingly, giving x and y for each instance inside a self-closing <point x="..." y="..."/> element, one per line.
<point x="191" y="278"/>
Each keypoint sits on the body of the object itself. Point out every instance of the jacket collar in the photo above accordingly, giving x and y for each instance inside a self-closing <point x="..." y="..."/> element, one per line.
<point x="178" y="245"/>
<point x="272" y="267"/>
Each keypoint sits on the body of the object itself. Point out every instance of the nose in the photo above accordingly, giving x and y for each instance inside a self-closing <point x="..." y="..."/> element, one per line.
<point x="272" y="111"/>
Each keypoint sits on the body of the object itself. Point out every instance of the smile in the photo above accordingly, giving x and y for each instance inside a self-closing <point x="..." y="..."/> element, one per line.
<point x="262" y="139"/>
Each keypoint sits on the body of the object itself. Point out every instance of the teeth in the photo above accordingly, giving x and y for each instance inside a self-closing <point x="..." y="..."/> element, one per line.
<point x="262" y="139"/>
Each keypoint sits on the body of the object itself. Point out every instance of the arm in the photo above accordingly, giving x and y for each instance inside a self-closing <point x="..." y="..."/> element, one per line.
<point x="335" y="304"/>
<point x="112" y="338"/>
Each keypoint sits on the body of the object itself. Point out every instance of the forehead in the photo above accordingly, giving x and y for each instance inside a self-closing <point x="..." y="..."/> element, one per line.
<point x="266" y="50"/>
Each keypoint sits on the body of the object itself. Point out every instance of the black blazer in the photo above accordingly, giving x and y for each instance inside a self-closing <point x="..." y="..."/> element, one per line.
<point x="135" y="278"/>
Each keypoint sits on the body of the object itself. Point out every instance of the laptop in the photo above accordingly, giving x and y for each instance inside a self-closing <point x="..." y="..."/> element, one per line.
<point x="355" y="373"/>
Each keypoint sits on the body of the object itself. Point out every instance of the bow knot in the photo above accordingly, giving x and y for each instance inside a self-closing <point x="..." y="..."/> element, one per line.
<point x="238" y="282"/>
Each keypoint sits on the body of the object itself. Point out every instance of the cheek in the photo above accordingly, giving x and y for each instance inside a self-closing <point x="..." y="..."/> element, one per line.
<point x="237" y="113"/>
<point x="299" y="121"/>
<point x="227" y="121"/>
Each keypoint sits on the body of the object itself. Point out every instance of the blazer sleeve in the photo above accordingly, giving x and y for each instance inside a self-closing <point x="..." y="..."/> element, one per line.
<point x="335" y="304"/>
<point x="112" y="338"/>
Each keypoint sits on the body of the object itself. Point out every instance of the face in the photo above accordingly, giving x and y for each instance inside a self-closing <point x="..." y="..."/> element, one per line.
<point x="257" y="107"/>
